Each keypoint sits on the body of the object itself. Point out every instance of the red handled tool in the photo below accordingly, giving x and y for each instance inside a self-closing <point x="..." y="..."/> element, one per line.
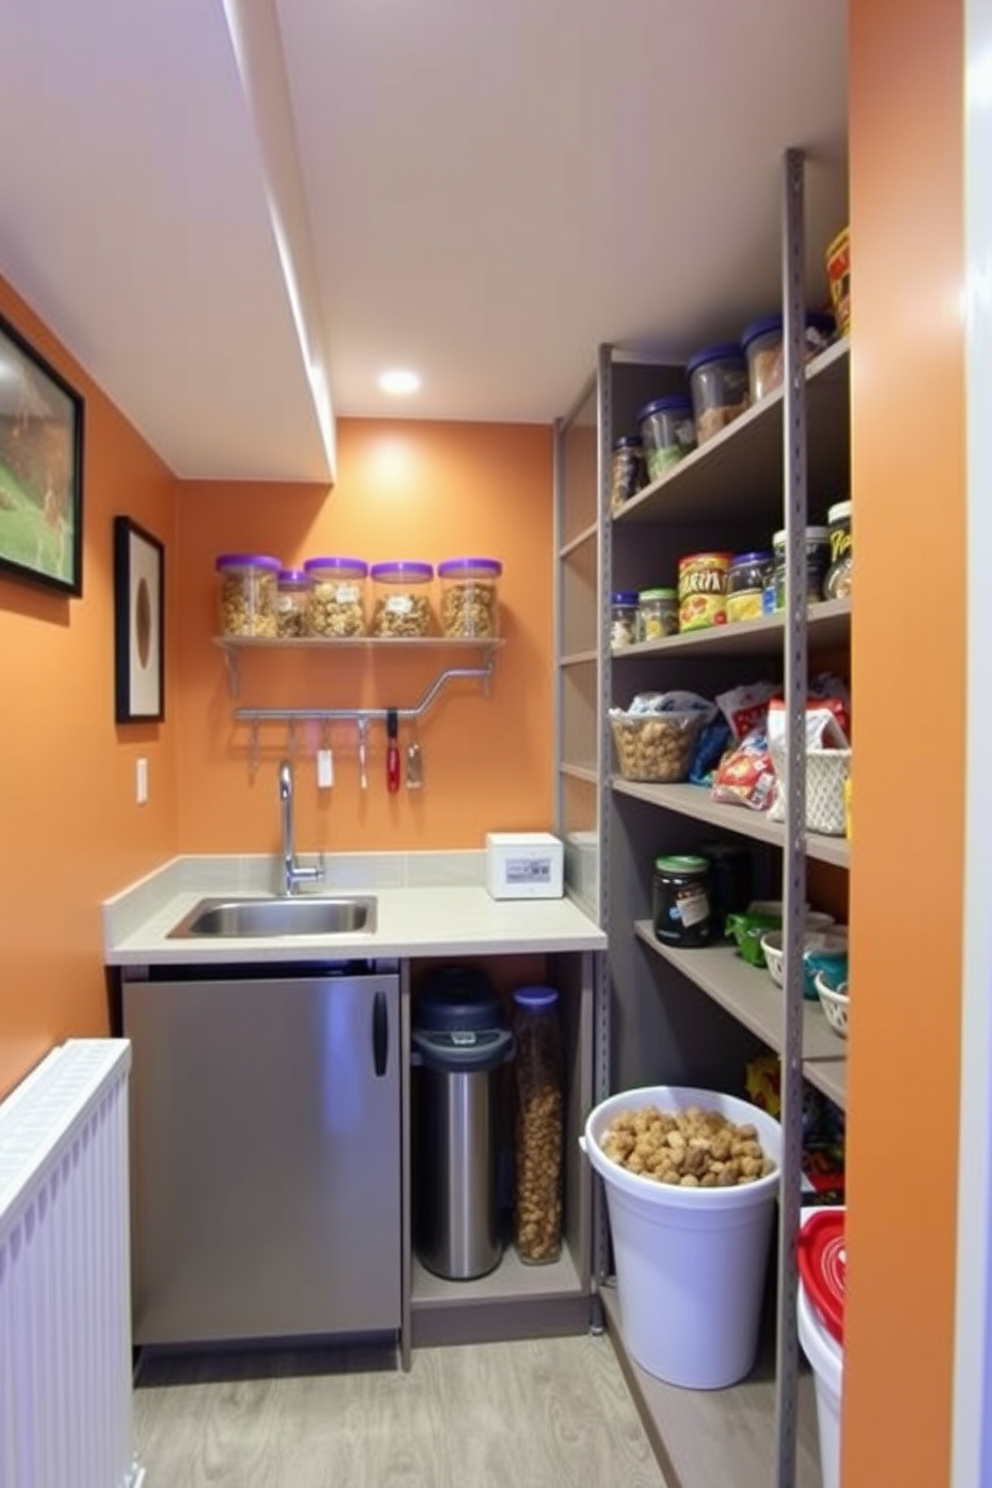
<point x="392" y="752"/>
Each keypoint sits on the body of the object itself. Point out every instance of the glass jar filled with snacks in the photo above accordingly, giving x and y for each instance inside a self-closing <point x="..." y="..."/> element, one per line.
<point x="247" y="594"/>
<point x="470" y="598"/>
<point x="623" y="619"/>
<point x="336" y="604"/>
<point x="539" y="1125"/>
<point x="626" y="470"/>
<point x="291" y="603"/>
<point x="401" y="607"/>
<point x="657" y="614"/>
<point x="668" y="433"/>
<point x="719" y="385"/>
<point x="746" y="583"/>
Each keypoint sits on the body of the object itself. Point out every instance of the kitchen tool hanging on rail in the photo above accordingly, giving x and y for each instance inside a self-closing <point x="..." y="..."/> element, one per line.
<point x="392" y="752"/>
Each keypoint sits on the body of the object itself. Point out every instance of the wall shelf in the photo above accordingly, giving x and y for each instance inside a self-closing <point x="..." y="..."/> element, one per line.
<point x="829" y="624"/>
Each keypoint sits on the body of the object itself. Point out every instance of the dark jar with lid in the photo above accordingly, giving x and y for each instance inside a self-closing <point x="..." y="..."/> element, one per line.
<point x="837" y="584"/>
<point x="681" y="908"/>
<point x="538" y="1144"/>
<point x="731" y="887"/>
<point x="626" y="470"/>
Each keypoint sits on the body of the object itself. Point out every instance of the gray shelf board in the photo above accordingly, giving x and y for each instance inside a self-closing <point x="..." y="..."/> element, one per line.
<point x="717" y="1438"/>
<point x="695" y="801"/>
<point x="830" y="1076"/>
<point x="511" y="1281"/>
<point x="578" y="658"/>
<point x="828" y="624"/>
<point x="747" y="993"/>
<point x="579" y="540"/>
<point x="740" y="470"/>
<point x="588" y="773"/>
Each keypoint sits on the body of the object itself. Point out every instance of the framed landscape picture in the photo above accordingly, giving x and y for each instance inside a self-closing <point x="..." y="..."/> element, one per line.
<point x="139" y="624"/>
<point x="41" y="469"/>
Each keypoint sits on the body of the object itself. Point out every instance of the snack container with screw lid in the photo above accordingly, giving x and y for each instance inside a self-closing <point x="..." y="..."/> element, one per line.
<point x="336" y="605"/>
<point x="401" y="603"/>
<point x="247" y="595"/>
<point x="470" y="597"/>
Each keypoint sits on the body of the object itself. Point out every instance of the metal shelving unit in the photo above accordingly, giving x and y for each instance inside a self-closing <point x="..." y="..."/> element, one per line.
<point x="787" y="455"/>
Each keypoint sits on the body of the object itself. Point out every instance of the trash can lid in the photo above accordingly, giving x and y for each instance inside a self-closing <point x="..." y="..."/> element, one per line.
<point x="822" y="1258"/>
<point x="457" y="998"/>
<point x="460" y="1051"/>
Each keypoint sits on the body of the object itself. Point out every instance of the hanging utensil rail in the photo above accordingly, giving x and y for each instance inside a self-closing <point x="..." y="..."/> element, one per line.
<point x="332" y="715"/>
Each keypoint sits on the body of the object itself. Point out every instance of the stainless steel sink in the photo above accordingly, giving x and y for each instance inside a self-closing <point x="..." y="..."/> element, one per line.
<point x="234" y="918"/>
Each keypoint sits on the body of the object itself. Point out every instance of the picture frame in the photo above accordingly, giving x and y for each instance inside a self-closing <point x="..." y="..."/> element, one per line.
<point x="41" y="469"/>
<point x="139" y="624"/>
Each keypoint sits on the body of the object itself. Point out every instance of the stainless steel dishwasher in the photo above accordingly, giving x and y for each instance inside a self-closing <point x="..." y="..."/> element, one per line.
<point x="266" y="1168"/>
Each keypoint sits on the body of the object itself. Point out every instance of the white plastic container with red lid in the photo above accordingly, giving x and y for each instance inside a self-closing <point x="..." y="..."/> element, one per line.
<point x="822" y="1262"/>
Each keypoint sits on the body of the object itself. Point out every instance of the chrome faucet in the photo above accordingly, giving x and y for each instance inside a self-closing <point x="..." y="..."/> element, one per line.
<point x="293" y="872"/>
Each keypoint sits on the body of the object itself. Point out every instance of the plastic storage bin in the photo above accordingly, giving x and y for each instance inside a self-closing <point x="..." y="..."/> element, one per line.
<point x="718" y="382"/>
<point x="247" y="595"/>
<point x="470" y="598"/>
<point x="401" y="598"/>
<point x="460" y="1040"/>
<point x="291" y="603"/>
<point x="337" y="596"/>
<point x="538" y="1145"/>
<point x="763" y="346"/>
<point x="690" y="1262"/>
<point x="668" y="433"/>
<point x="820" y="1318"/>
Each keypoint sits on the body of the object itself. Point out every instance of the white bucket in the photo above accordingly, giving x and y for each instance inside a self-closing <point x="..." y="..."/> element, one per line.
<point x="827" y="1358"/>
<point x="690" y="1262"/>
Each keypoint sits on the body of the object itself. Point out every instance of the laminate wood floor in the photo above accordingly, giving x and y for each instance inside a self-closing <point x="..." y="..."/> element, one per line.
<point x="548" y="1413"/>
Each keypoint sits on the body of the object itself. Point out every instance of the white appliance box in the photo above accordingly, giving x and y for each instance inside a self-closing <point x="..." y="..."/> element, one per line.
<point x="523" y="865"/>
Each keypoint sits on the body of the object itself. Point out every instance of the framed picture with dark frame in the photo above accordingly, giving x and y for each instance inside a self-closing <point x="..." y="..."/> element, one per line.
<point x="41" y="469"/>
<point x="139" y="624"/>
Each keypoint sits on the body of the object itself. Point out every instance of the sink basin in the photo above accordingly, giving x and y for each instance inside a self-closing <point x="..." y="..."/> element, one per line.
<point x="233" y="918"/>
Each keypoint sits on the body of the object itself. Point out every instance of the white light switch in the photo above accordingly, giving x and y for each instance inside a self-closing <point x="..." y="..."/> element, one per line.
<point x="141" y="782"/>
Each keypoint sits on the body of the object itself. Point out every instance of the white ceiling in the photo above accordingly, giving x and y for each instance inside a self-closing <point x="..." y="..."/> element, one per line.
<point x="222" y="205"/>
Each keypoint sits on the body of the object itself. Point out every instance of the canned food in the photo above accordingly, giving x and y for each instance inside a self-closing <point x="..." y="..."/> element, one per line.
<point x="626" y="470"/>
<point x="817" y="563"/>
<point x="746" y="583"/>
<point x="657" y="614"/>
<point x="623" y="619"/>
<point x="680" y="901"/>
<point x="703" y="590"/>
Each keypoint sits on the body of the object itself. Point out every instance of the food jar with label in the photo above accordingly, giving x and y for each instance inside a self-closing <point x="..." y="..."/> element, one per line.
<point x="626" y="470"/>
<point x="730" y="881"/>
<point x="539" y="1125"/>
<point x="703" y="590"/>
<point x="718" y="382"/>
<point x="746" y="583"/>
<point x="817" y="563"/>
<point x="657" y="614"/>
<point x="336" y="606"/>
<point x="402" y="603"/>
<point x="680" y="901"/>
<point x="247" y="594"/>
<point x="291" y="603"/>
<point x="668" y="433"/>
<point x="837" y="584"/>
<point x="470" y="598"/>
<point x="764" y="347"/>
<point x="623" y="619"/>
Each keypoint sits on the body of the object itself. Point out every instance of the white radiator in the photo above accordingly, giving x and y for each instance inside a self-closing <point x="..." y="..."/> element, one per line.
<point x="65" y="1290"/>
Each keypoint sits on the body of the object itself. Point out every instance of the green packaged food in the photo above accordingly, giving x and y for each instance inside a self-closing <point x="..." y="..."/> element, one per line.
<point x="747" y="929"/>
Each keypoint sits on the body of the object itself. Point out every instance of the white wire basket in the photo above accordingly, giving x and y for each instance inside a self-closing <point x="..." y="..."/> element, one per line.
<point x="827" y="771"/>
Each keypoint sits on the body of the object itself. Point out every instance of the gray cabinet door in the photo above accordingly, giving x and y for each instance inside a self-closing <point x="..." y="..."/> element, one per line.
<point x="265" y="1157"/>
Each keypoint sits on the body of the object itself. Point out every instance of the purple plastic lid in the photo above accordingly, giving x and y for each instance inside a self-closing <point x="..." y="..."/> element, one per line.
<point x="674" y="403"/>
<point x="757" y="557"/>
<point x="766" y="324"/>
<point x="351" y="564"/>
<point x="292" y="576"/>
<point x="247" y="560"/>
<point x="488" y="568"/>
<point x="535" y="997"/>
<point x="401" y="569"/>
<point x="724" y="351"/>
<point x="625" y="597"/>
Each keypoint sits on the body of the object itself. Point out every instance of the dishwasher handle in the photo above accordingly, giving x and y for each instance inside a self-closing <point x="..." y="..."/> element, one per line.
<point x="380" y="1033"/>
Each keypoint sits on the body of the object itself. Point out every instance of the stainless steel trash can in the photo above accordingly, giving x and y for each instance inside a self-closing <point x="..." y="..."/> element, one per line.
<point x="460" y="1041"/>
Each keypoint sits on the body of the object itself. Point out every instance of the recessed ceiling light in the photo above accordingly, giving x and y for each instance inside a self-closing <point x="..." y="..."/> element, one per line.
<point x="399" y="381"/>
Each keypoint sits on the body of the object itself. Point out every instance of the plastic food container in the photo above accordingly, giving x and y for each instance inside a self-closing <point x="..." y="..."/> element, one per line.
<point x="703" y="590"/>
<point x="718" y="382"/>
<point x="247" y="594"/>
<point x="837" y="584"/>
<point x="539" y="1125"/>
<point x="470" y="597"/>
<point x="401" y="604"/>
<point x="763" y="346"/>
<point x="838" y="258"/>
<point x="626" y="470"/>
<point x="747" y="580"/>
<point x="292" y="591"/>
<point x="822" y="1261"/>
<point x="681" y="905"/>
<point x="623" y="619"/>
<point x="336" y="605"/>
<point x="655" y="746"/>
<point x="657" y="614"/>
<point x="817" y="563"/>
<point x="668" y="433"/>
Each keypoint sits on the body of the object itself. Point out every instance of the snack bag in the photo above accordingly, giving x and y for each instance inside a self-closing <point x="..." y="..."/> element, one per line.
<point x="746" y="776"/>
<point x="746" y="708"/>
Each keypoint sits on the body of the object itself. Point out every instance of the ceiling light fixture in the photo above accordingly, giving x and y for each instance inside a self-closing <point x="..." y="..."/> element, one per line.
<point x="399" y="381"/>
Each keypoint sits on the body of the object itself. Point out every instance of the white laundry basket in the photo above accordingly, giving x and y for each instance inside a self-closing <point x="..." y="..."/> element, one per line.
<point x="823" y="1350"/>
<point x="690" y="1262"/>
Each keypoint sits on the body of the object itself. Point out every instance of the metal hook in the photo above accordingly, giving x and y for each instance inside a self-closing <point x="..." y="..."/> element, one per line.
<point x="254" y="751"/>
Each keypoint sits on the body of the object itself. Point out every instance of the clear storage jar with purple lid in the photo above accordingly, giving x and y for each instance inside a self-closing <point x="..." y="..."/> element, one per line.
<point x="719" y="385"/>
<point x="763" y="346"/>
<point x="336" y="603"/>
<point x="291" y="603"/>
<point x="538" y="1147"/>
<point x="247" y="595"/>
<point x="470" y="598"/>
<point x="401" y="607"/>
<point x="668" y="432"/>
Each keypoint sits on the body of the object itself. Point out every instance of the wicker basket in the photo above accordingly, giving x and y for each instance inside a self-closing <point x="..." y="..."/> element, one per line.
<point x="827" y="772"/>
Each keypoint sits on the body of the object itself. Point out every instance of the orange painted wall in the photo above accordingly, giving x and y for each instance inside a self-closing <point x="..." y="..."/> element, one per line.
<point x="71" y="832"/>
<point x="906" y="113"/>
<point x="405" y="490"/>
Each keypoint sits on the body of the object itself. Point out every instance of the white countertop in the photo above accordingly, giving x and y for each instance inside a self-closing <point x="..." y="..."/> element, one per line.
<point x="414" y="918"/>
